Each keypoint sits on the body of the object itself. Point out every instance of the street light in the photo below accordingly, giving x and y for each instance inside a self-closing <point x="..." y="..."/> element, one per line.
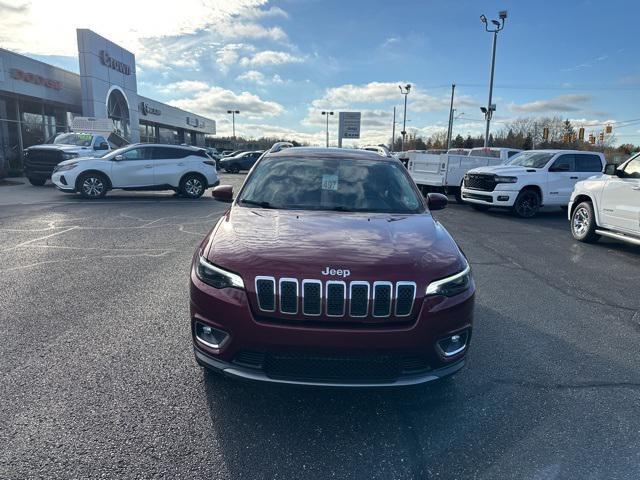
<point x="233" y="117"/>
<point x="490" y="108"/>
<point x="404" y="91"/>
<point x="327" y="114"/>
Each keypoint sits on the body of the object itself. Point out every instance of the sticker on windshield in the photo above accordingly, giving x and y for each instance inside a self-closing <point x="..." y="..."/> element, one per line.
<point x="330" y="182"/>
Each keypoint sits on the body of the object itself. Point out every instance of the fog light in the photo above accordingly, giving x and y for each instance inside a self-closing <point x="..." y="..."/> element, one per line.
<point x="503" y="198"/>
<point x="210" y="336"/>
<point x="453" y="345"/>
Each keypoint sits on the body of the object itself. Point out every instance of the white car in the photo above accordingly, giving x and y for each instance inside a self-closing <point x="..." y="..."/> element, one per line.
<point x="530" y="180"/>
<point x="379" y="149"/>
<point x="187" y="170"/>
<point x="608" y="205"/>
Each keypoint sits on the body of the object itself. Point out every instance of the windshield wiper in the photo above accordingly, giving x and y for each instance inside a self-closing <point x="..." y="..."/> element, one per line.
<point x="257" y="203"/>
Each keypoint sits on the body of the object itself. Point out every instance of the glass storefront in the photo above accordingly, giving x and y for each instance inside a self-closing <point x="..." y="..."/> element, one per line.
<point x="168" y="135"/>
<point x="147" y="133"/>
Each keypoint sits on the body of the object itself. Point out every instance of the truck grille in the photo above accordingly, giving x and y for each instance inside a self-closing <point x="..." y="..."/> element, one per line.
<point x="43" y="158"/>
<point x="334" y="298"/>
<point x="480" y="181"/>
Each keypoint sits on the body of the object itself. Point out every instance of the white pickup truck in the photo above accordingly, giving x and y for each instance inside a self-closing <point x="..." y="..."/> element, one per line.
<point x="530" y="180"/>
<point x="608" y="205"/>
<point x="444" y="173"/>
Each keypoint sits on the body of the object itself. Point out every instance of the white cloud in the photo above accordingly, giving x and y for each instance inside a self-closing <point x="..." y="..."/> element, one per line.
<point x="215" y="101"/>
<point x="184" y="86"/>
<point x="259" y="78"/>
<point x="270" y="57"/>
<point x="561" y="103"/>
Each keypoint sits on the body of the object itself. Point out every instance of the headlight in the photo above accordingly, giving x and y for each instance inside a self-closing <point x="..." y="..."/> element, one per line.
<point x="69" y="156"/>
<point x="453" y="285"/>
<point x="63" y="168"/>
<point x="500" y="179"/>
<point x="216" y="276"/>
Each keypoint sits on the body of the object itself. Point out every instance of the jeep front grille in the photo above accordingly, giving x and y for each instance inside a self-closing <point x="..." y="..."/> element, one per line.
<point x="334" y="298"/>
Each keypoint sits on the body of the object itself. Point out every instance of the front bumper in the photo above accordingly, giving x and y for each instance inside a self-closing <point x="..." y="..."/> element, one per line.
<point x="64" y="181"/>
<point x="497" y="198"/>
<point x="416" y="341"/>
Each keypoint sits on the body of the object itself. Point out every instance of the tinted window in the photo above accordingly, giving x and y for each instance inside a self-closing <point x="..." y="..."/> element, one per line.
<point x="99" y="140"/>
<point x="512" y="153"/>
<point x="633" y="168"/>
<point x="135" y="154"/>
<point x="168" y="153"/>
<point x="564" y="163"/>
<point x="530" y="159"/>
<point x="485" y="152"/>
<point x="588" y="163"/>
<point x="342" y="184"/>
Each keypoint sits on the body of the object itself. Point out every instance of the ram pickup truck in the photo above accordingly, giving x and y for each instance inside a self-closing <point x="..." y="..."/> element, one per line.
<point x="40" y="160"/>
<point x="608" y="205"/>
<point x="444" y="172"/>
<point x="530" y="180"/>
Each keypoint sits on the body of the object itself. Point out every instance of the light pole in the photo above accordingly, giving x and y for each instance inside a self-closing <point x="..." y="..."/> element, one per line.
<point x="490" y="108"/>
<point x="404" y="91"/>
<point x="233" y="120"/>
<point x="327" y="114"/>
<point x="393" y="132"/>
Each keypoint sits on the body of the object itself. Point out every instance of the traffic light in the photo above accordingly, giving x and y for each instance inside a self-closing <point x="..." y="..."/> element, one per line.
<point x="566" y="138"/>
<point x="608" y="128"/>
<point x="601" y="137"/>
<point x="545" y="133"/>
<point x="592" y="139"/>
<point x="581" y="134"/>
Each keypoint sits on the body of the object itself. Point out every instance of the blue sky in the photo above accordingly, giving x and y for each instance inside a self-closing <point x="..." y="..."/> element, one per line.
<point x="281" y="62"/>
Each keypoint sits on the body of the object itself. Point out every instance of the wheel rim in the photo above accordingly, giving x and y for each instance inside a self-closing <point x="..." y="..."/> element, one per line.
<point x="92" y="186"/>
<point x="193" y="186"/>
<point x="581" y="221"/>
<point x="528" y="205"/>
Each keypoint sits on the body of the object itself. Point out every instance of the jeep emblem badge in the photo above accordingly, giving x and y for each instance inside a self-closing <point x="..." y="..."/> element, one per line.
<point x="340" y="272"/>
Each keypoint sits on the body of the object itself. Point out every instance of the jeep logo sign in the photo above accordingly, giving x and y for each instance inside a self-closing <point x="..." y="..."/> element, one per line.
<point x="340" y="272"/>
<point x="110" y="62"/>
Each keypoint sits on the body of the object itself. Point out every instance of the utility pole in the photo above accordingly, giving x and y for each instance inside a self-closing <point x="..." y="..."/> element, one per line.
<point x="327" y="114"/>
<point x="393" y="131"/>
<point x="450" y="129"/>
<point x="404" y="91"/>
<point x="535" y="134"/>
<point x="490" y="108"/>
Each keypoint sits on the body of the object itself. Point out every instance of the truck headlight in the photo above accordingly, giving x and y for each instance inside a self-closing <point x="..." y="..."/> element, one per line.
<point x="501" y="179"/>
<point x="216" y="276"/>
<point x="69" y="156"/>
<point x="453" y="285"/>
<point x="64" y="168"/>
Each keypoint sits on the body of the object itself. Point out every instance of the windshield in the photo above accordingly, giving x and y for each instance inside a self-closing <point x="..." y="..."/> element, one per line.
<point x="78" y="139"/>
<point x="530" y="159"/>
<point x="339" y="184"/>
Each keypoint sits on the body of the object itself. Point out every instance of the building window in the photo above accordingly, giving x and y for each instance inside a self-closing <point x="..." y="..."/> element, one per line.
<point x="167" y="135"/>
<point x="10" y="153"/>
<point x="118" y="112"/>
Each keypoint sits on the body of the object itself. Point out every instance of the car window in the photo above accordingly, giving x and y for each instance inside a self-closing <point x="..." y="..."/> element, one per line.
<point x="564" y="163"/>
<point x="530" y="159"/>
<point x="340" y="184"/>
<point x="633" y="168"/>
<point x="168" y="153"/>
<point x="99" y="140"/>
<point x="511" y="153"/>
<point x="588" y="163"/>
<point x="139" y="153"/>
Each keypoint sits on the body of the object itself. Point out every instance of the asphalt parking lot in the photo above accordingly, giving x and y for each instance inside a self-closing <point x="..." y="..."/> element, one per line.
<point x="99" y="380"/>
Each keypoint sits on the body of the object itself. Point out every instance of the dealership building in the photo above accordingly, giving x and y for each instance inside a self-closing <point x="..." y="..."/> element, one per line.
<point x="38" y="100"/>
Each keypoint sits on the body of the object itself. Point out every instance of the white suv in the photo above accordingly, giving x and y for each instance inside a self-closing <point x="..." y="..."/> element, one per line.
<point x="187" y="170"/>
<point x="530" y="180"/>
<point x="608" y="205"/>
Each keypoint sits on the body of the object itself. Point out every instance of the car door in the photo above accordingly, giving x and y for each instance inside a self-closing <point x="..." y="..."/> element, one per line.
<point x="561" y="179"/>
<point x="133" y="168"/>
<point x="168" y="164"/>
<point x="620" y="203"/>
<point x="246" y="161"/>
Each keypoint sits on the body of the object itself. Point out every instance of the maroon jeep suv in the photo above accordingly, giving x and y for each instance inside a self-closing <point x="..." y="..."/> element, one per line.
<point x="329" y="269"/>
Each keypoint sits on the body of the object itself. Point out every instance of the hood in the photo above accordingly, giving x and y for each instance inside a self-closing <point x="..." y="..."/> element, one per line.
<point x="502" y="170"/>
<point x="76" y="160"/>
<point x="302" y="244"/>
<point x="62" y="148"/>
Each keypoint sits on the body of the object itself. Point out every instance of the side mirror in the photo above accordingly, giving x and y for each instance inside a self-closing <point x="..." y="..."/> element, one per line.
<point x="610" y="169"/>
<point x="118" y="158"/>
<point x="102" y="146"/>
<point x="436" y="201"/>
<point x="223" y="193"/>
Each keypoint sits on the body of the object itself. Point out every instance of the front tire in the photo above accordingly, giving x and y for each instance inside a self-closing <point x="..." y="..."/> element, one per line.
<point x="37" y="181"/>
<point x="583" y="223"/>
<point x="92" y="185"/>
<point x="527" y="204"/>
<point x="192" y="186"/>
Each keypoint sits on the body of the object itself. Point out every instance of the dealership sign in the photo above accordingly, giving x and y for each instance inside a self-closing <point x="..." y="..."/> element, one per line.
<point x="147" y="109"/>
<point x="349" y="125"/>
<point x="29" y="77"/>
<point x="195" y="122"/>
<point x="110" y="62"/>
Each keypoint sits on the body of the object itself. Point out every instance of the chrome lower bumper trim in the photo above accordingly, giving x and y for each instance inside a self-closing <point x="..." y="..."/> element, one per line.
<point x="250" y="374"/>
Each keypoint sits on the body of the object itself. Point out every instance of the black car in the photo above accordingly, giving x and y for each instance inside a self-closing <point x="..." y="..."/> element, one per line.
<point x="242" y="161"/>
